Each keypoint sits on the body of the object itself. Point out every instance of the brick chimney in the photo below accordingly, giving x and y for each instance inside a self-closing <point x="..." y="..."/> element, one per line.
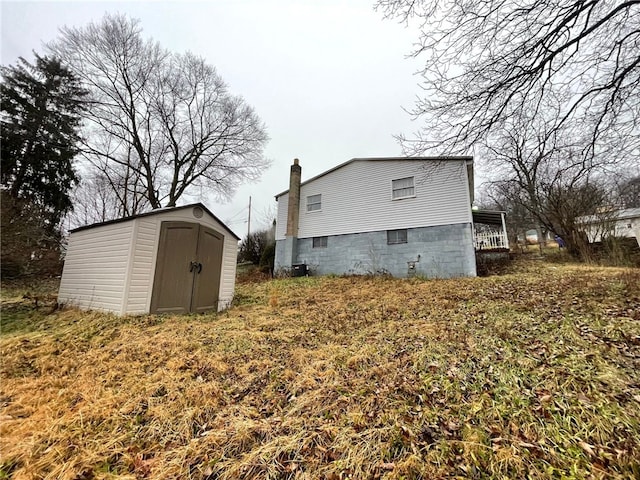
<point x="293" y="215"/>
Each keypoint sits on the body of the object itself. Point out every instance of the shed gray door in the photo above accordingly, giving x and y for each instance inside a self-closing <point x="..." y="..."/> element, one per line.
<point x="188" y="269"/>
<point x="207" y="282"/>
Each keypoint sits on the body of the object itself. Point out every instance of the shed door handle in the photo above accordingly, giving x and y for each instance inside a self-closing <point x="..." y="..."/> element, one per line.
<point x="195" y="266"/>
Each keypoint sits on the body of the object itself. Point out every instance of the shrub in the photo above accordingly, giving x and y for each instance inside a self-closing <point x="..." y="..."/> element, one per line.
<point x="253" y="245"/>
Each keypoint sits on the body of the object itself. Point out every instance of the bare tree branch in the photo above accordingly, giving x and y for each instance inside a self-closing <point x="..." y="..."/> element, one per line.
<point x="488" y="60"/>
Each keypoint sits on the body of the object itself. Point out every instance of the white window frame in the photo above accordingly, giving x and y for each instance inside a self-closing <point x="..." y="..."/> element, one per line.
<point x="400" y="190"/>
<point x="319" y="242"/>
<point x="311" y="204"/>
<point x="400" y="236"/>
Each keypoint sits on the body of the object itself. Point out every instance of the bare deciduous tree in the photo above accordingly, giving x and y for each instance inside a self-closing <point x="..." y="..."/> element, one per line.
<point x="487" y="60"/>
<point x="98" y="199"/>
<point x="544" y="173"/>
<point x="628" y="191"/>
<point x="518" y="219"/>
<point x="160" y="125"/>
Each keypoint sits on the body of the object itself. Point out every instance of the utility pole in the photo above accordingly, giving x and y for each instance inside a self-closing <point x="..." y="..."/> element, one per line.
<point x="249" y="219"/>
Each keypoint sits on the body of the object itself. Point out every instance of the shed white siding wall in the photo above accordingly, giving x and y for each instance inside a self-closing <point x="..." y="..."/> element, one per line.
<point x="95" y="268"/>
<point x="358" y="198"/>
<point x="228" y="280"/>
<point x="139" y="297"/>
<point x="144" y="259"/>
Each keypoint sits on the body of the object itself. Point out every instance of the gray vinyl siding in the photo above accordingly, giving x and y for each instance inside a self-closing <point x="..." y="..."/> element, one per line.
<point x="95" y="268"/>
<point x="358" y="198"/>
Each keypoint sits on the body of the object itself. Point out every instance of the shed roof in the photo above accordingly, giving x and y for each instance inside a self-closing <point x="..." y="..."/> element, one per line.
<point x="157" y="211"/>
<point x="375" y="159"/>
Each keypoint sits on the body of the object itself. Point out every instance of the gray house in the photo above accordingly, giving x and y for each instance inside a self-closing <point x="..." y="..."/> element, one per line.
<point x="403" y="216"/>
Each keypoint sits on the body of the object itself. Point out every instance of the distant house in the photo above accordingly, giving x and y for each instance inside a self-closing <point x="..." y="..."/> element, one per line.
<point x="169" y="260"/>
<point x="403" y="216"/>
<point x="617" y="223"/>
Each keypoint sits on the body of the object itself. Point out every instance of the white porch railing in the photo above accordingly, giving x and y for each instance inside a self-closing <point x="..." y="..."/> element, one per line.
<point x="491" y="240"/>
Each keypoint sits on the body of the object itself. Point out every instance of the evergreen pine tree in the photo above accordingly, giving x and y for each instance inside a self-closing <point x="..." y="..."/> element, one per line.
<point x="41" y="107"/>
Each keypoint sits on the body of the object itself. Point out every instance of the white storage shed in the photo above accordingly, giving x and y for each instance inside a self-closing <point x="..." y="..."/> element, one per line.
<point x="170" y="260"/>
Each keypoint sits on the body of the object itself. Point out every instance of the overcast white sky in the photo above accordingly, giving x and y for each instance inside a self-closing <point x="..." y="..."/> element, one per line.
<point x="329" y="78"/>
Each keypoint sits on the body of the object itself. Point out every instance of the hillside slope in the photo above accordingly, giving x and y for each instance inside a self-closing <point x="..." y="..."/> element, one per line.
<point x="531" y="373"/>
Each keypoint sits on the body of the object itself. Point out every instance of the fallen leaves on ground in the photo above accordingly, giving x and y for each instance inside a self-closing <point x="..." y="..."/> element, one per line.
<point x="529" y="373"/>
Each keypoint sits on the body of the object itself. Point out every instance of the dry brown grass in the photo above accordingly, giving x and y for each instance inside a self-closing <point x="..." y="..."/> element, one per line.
<point x="534" y="373"/>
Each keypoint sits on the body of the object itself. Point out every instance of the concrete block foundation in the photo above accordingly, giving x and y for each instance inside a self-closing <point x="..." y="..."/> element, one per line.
<point x="444" y="251"/>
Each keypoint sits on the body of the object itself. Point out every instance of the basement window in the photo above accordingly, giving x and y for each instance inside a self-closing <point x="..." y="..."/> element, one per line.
<point x="319" y="242"/>
<point x="396" y="236"/>
<point x="314" y="203"/>
<point x="403" y="188"/>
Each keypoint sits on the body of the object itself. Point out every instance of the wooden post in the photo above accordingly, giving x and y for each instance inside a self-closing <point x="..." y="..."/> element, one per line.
<point x="249" y="219"/>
